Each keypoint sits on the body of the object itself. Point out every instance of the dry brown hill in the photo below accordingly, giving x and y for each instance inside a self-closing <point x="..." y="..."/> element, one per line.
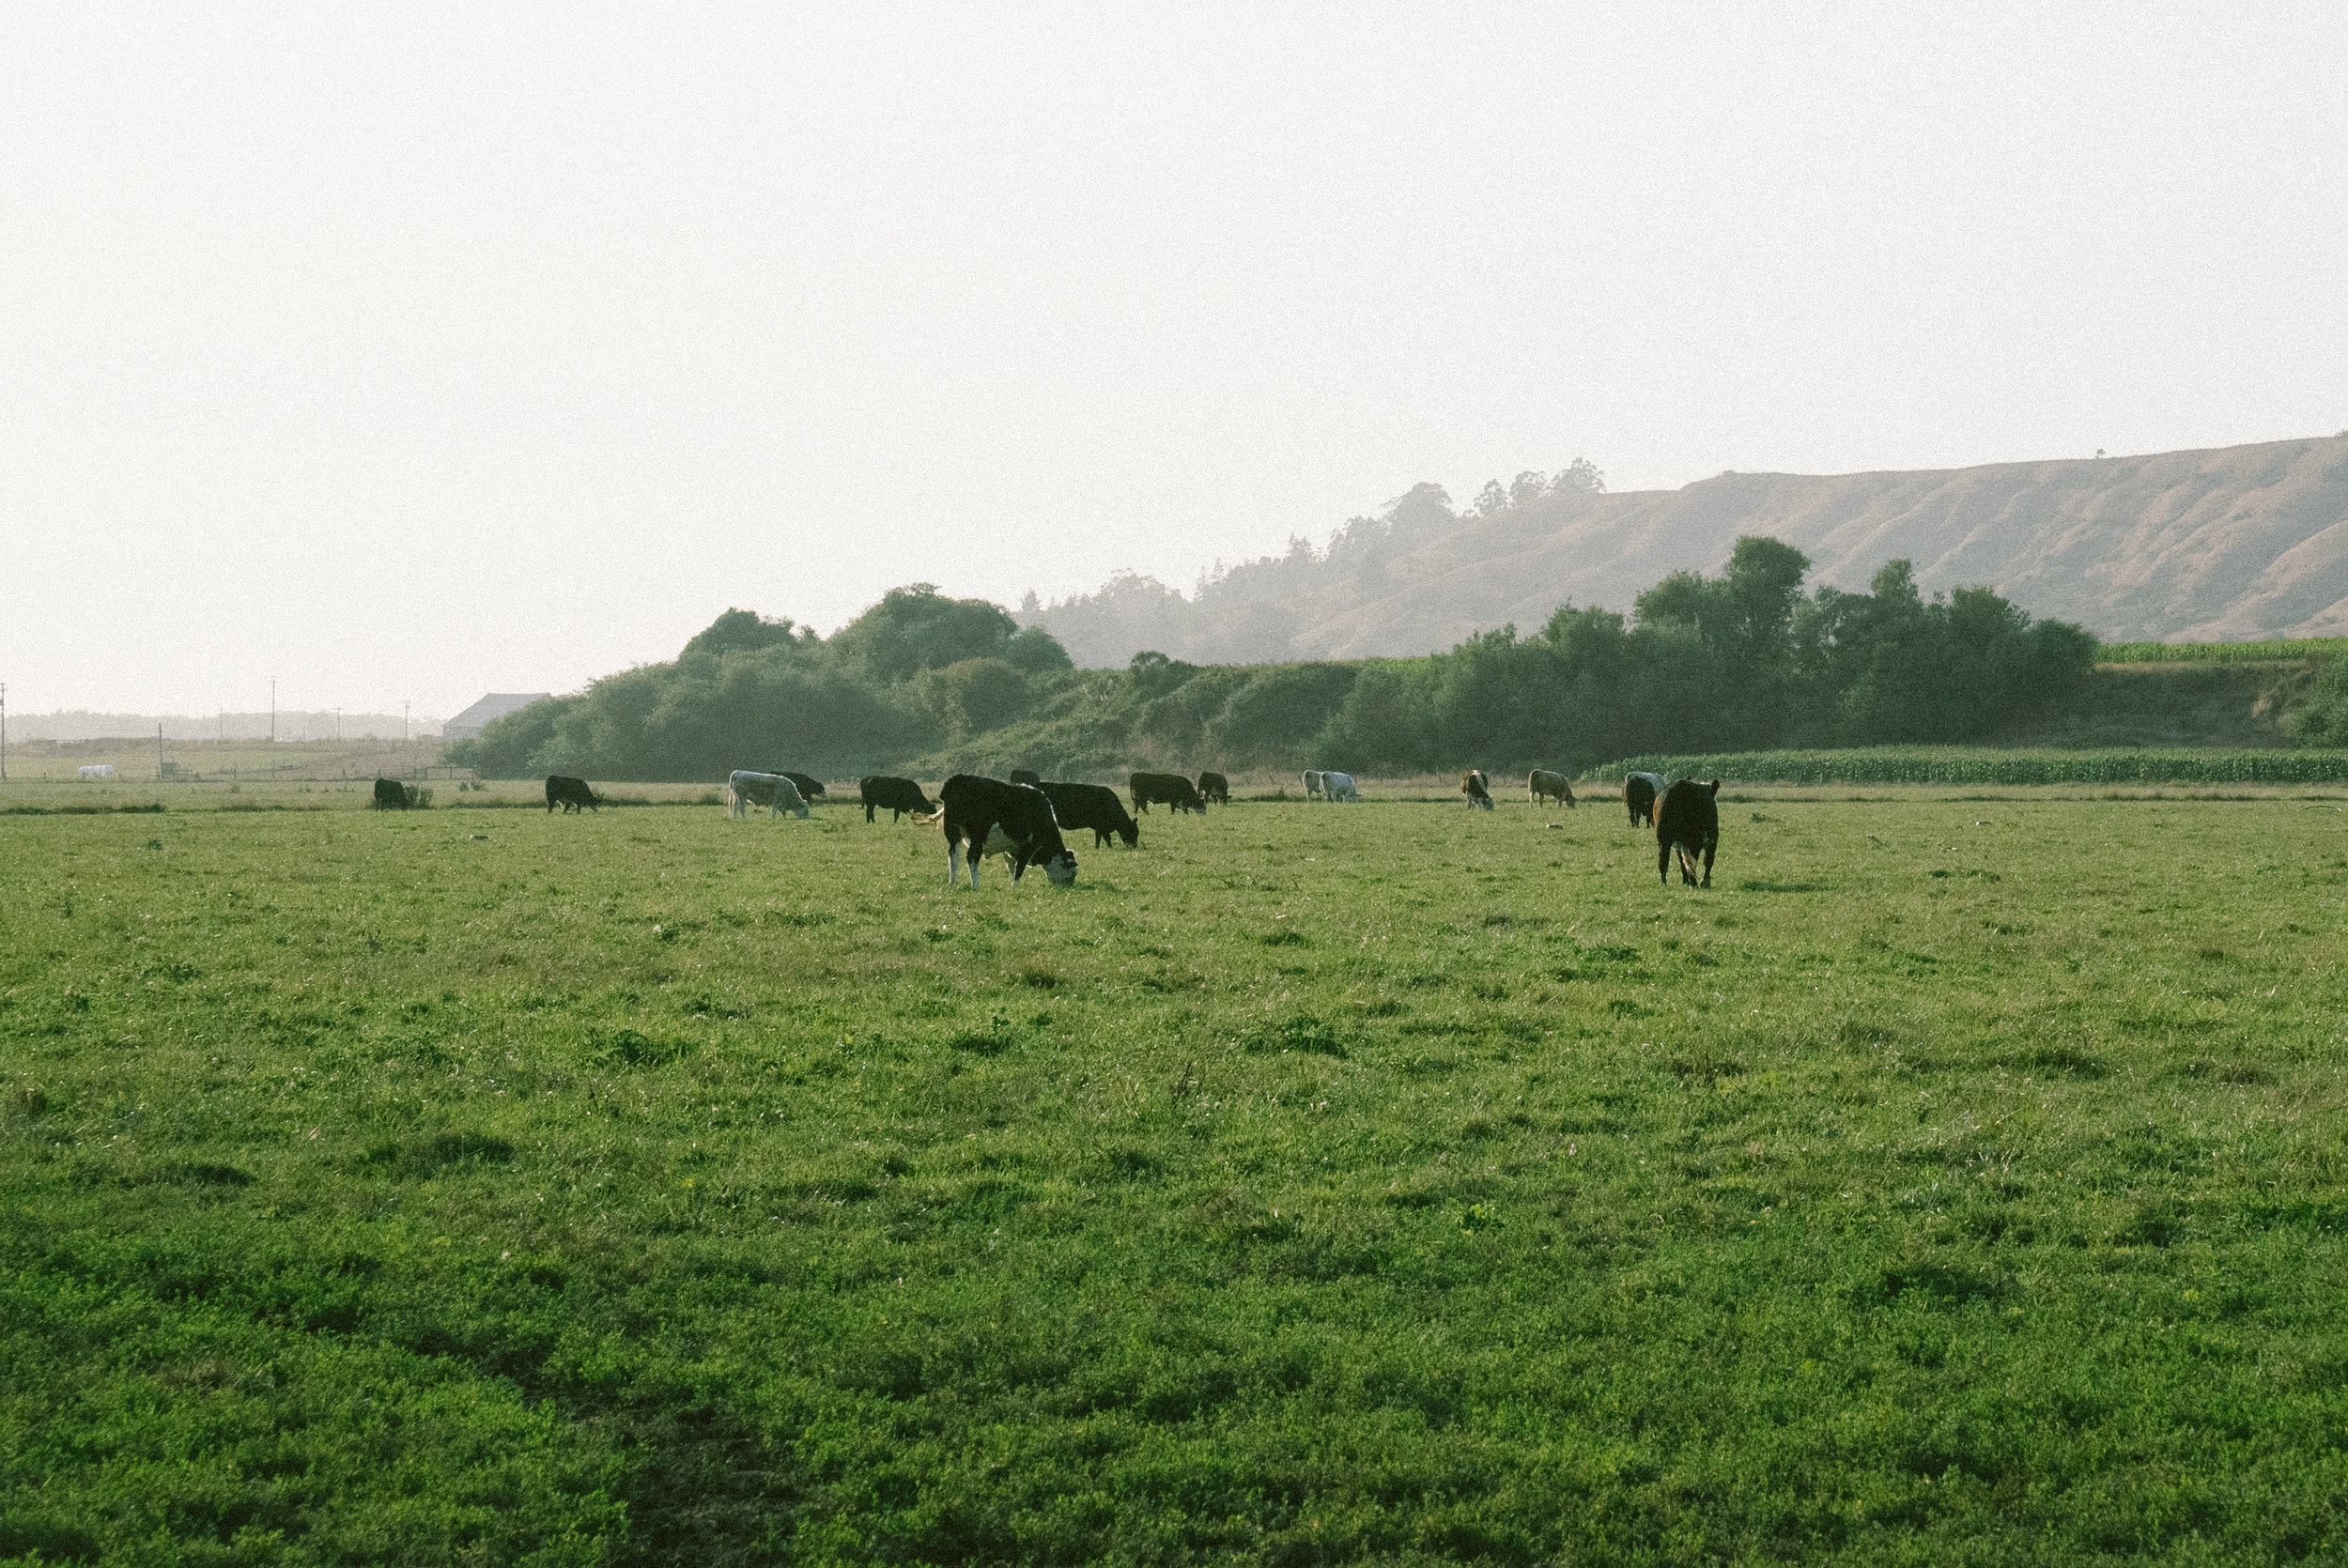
<point x="2220" y="545"/>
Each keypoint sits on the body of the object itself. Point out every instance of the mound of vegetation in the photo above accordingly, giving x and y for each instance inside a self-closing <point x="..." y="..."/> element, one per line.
<point x="927" y="683"/>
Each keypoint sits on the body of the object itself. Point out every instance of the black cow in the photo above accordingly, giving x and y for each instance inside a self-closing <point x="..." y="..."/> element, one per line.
<point x="570" y="794"/>
<point x="894" y="796"/>
<point x="1639" y="792"/>
<point x="972" y="808"/>
<point x="1027" y="776"/>
<point x="811" y="789"/>
<point x="1215" y="787"/>
<point x="390" y="795"/>
<point x="1077" y="806"/>
<point x="1170" y="790"/>
<point x="1687" y="819"/>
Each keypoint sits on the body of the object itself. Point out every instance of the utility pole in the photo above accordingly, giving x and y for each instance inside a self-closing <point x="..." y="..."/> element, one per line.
<point x="338" y="727"/>
<point x="402" y="722"/>
<point x="158" y="749"/>
<point x="4" y="732"/>
<point x="273" y="710"/>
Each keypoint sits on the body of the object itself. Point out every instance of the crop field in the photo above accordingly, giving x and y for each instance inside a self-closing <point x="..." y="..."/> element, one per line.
<point x="1960" y="1178"/>
<point x="1984" y="765"/>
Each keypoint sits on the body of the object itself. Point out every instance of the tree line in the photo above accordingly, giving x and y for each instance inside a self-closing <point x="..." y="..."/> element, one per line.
<point x="925" y="684"/>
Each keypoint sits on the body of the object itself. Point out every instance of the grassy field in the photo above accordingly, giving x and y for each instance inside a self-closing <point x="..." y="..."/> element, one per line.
<point x="250" y="763"/>
<point x="1961" y="1178"/>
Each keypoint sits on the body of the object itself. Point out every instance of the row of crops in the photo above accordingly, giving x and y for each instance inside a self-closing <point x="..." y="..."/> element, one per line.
<point x="1968" y="765"/>
<point x="2221" y="653"/>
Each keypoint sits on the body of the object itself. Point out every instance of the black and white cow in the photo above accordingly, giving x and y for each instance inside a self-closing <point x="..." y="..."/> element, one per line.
<point x="1687" y="819"/>
<point x="571" y="794"/>
<point x="1025" y="775"/>
<point x="973" y="808"/>
<point x="896" y="795"/>
<point x="811" y="788"/>
<point x="770" y="790"/>
<point x="1077" y="806"/>
<point x="1477" y="788"/>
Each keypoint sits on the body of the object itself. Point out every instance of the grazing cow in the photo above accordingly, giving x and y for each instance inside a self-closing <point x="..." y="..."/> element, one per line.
<point x="811" y="789"/>
<point x="1027" y="776"/>
<point x="1339" y="786"/>
<point x="770" y="790"/>
<point x="1540" y="782"/>
<point x="1640" y="792"/>
<point x="1170" y="790"/>
<point x="1313" y="784"/>
<point x="895" y="795"/>
<point x="1094" y="806"/>
<point x="1477" y="788"/>
<point x="390" y="795"/>
<point x="1687" y="819"/>
<point x="1216" y="788"/>
<point x="973" y="808"/>
<point x="95" y="770"/>
<point x="571" y="794"/>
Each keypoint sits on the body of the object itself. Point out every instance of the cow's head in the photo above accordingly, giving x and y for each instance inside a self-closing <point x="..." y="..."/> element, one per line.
<point x="1713" y="788"/>
<point x="1062" y="868"/>
<point x="1130" y="832"/>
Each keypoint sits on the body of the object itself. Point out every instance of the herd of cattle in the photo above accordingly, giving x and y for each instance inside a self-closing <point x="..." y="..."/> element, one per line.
<point x="1023" y="820"/>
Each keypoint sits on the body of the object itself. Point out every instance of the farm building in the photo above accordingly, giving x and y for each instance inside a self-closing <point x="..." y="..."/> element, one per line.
<point x="495" y="706"/>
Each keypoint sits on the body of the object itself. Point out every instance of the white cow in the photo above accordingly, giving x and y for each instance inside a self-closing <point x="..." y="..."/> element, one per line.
<point x="95" y="770"/>
<point x="1339" y="786"/>
<point x="1312" y="784"/>
<point x="770" y="789"/>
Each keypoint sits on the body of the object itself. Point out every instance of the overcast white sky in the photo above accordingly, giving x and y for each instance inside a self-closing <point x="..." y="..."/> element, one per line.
<point x="408" y="352"/>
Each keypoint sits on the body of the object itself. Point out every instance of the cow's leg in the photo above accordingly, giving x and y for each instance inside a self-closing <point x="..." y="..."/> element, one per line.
<point x="953" y="858"/>
<point x="1663" y="862"/>
<point x="867" y="811"/>
<point x="1709" y="845"/>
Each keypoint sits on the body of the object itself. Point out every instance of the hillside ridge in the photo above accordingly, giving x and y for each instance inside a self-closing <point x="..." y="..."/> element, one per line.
<point x="2212" y="543"/>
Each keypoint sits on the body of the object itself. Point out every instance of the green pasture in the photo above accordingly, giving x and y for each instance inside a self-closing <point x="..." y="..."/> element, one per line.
<point x="1961" y="1178"/>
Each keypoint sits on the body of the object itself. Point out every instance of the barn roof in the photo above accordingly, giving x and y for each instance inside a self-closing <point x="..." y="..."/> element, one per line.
<point x="494" y="706"/>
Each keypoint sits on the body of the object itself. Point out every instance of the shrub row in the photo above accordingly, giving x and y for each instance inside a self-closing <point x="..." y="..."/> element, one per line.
<point x="1972" y="765"/>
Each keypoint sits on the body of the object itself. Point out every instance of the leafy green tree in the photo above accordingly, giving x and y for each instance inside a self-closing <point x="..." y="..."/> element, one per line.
<point x="742" y="631"/>
<point x="976" y="695"/>
<point x="917" y="628"/>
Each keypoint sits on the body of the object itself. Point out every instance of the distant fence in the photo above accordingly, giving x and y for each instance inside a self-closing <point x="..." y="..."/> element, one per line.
<point x="1962" y="765"/>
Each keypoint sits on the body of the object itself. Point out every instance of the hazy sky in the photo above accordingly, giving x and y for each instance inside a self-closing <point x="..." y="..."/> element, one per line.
<point x="409" y="353"/>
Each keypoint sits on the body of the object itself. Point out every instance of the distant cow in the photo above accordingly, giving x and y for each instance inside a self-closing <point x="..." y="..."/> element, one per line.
<point x="1170" y="790"/>
<point x="1027" y="776"/>
<point x="1687" y="819"/>
<point x="973" y="808"/>
<point x="770" y="790"/>
<point x="1339" y="787"/>
<point x="1216" y="788"/>
<point x="390" y="795"/>
<point x="1541" y="783"/>
<point x="895" y="795"/>
<point x="1077" y="806"/>
<point x="1639" y="792"/>
<point x="1477" y="788"/>
<point x="95" y="770"/>
<point x="1314" y="783"/>
<point x="571" y="794"/>
<point x="811" y="789"/>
